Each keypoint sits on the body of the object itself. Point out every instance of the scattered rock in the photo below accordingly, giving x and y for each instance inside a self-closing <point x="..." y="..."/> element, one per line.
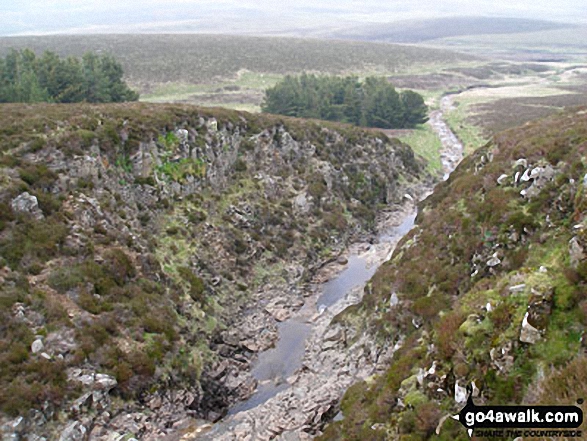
<point x="393" y="300"/>
<point x="528" y="333"/>
<point x="82" y="403"/>
<point x="155" y="402"/>
<point x="576" y="252"/>
<point x="37" y="346"/>
<point x="212" y="125"/>
<point x="104" y="382"/>
<point x="502" y="179"/>
<point x="342" y="260"/>
<point x="475" y="390"/>
<point x="460" y="393"/>
<point x="302" y="203"/>
<point x="279" y="313"/>
<point x="74" y="432"/>
<point x="17" y="426"/>
<point x="334" y="334"/>
<point x="539" y="176"/>
<point x="28" y="204"/>
<point x="539" y="309"/>
<point x="517" y="288"/>
<point x="182" y="135"/>
<point x="61" y="341"/>
<point x="216" y="281"/>
<point x="493" y="261"/>
<point x="96" y="382"/>
<point x="36" y="418"/>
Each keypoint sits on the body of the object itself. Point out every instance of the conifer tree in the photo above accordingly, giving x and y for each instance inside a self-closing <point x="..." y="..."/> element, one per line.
<point x="24" y="77"/>
<point x="374" y="102"/>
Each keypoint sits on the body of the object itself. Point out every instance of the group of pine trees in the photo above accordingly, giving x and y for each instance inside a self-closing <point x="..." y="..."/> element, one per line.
<point x="371" y="103"/>
<point x="26" y="78"/>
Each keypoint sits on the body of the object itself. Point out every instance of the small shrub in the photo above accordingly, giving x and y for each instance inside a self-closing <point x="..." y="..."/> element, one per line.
<point x="35" y="240"/>
<point x="240" y="166"/>
<point x="317" y="186"/>
<point x="6" y="215"/>
<point x="565" y="385"/>
<point x="446" y="334"/>
<point x="37" y="176"/>
<point x="427" y="418"/>
<point x="119" y="266"/>
<point x="197" y="216"/>
<point x="48" y="203"/>
<point x="196" y="284"/>
<point x="93" y="304"/>
<point x="149" y="180"/>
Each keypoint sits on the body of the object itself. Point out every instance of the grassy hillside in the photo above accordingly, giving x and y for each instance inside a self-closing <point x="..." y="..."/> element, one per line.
<point x="479" y="111"/>
<point x="502" y="239"/>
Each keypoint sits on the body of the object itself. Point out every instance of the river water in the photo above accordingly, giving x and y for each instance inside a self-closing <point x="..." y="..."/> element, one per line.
<point x="299" y="337"/>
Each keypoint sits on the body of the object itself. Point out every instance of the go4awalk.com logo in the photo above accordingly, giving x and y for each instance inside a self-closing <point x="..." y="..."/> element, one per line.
<point x="521" y="421"/>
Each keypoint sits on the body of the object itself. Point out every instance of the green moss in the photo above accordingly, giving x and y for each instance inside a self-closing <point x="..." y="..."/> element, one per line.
<point x="415" y="398"/>
<point x="180" y="170"/>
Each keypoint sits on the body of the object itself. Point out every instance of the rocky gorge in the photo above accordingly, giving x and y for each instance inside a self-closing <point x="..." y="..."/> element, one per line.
<point x="170" y="272"/>
<point x="149" y="252"/>
<point x="334" y="355"/>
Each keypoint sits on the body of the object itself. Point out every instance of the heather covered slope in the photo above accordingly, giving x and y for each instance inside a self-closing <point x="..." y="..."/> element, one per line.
<point x="196" y="59"/>
<point x="144" y="249"/>
<point x="504" y="238"/>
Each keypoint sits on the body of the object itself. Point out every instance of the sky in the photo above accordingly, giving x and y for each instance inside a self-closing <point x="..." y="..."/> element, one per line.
<point x="22" y="17"/>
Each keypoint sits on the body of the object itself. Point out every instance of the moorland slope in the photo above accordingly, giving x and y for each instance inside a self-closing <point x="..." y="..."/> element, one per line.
<point x="488" y="289"/>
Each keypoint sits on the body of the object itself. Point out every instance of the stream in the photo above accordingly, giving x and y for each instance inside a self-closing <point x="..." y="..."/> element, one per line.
<point x="282" y="361"/>
<point x="305" y="374"/>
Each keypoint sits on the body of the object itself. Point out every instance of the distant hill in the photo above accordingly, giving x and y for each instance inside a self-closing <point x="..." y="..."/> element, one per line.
<point x="416" y="31"/>
<point x="197" y="59"/>
<point x="562" y="44"/>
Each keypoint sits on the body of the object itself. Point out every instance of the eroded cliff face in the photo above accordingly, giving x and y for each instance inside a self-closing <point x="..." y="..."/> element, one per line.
<point x="488" y="291"/>
<point x="148" y="251"/>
